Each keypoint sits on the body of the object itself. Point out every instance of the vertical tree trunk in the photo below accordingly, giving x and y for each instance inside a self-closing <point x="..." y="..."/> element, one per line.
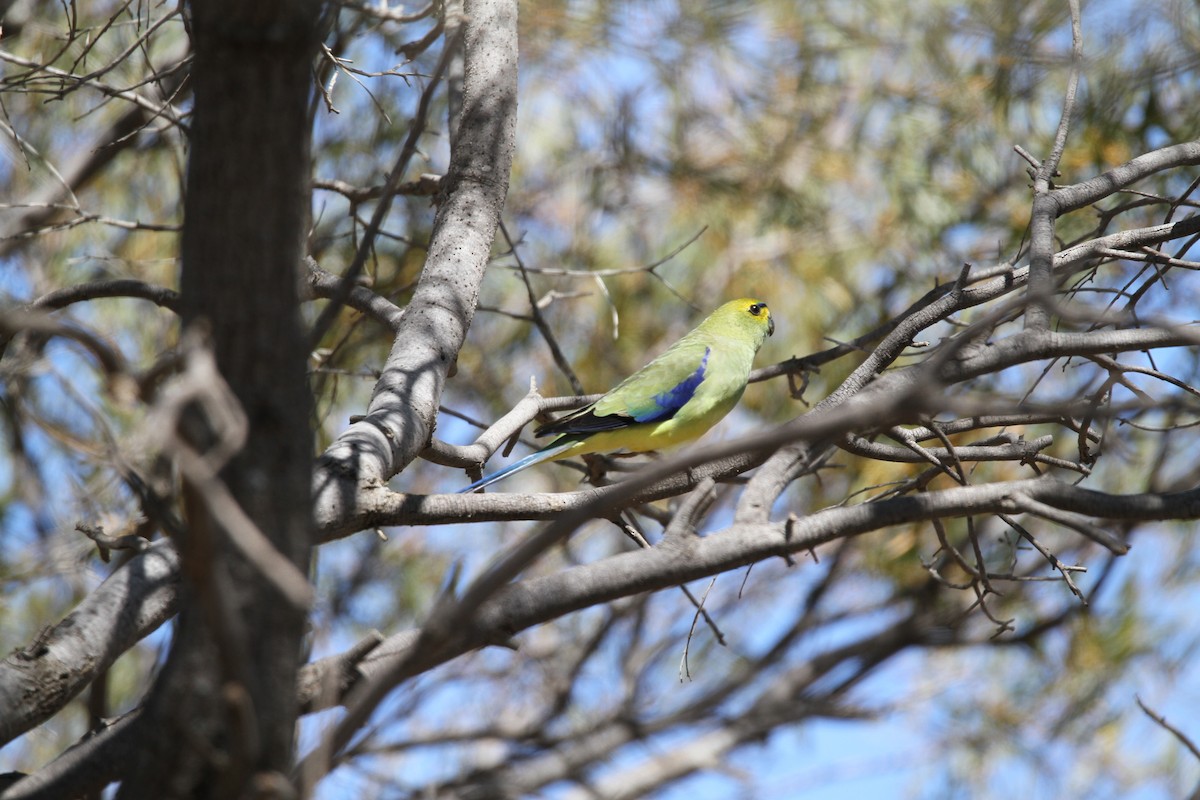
<point x="222" y="715"/>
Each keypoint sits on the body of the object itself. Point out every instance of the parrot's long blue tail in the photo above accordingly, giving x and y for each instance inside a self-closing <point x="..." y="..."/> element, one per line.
<point x="545" y="454"/>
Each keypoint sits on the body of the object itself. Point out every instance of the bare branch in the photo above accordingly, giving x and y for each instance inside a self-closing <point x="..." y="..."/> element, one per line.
<point x="1161" y="721"/>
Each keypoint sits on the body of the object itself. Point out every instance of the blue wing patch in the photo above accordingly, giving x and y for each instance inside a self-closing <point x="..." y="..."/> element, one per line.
<point x="666" y="404"/>
<point x="663" y="405"/>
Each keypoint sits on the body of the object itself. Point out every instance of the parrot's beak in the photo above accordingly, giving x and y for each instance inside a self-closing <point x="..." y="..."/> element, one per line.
<point x="770" y="327"/>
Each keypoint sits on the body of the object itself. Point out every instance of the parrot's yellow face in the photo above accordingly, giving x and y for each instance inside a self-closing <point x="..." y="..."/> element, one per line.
<point x="747" y="312"/>
<point x="758" y="309"/>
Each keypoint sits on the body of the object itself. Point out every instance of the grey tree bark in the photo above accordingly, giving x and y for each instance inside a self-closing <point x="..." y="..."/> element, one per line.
<point x="219" y="722"/>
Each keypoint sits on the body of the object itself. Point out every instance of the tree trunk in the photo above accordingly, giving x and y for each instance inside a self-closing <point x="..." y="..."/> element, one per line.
<point x="220" y="721"/>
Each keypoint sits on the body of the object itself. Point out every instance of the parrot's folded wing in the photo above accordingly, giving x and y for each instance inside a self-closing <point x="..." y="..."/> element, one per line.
<point x="652" y="394"/>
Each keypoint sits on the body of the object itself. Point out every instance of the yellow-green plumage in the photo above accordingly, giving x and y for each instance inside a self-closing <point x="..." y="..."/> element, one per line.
<point x="672" y="400"/>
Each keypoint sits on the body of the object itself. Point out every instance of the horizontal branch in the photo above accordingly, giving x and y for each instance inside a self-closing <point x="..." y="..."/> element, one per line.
<point x="1032" y="345"/>
<point x="679" y="560"/>
<point x="121" y="287"/>
<point x="1076" y="196"/>
<point x="1025" y="450"/>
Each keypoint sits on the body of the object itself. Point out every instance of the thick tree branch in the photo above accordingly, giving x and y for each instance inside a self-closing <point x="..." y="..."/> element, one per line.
<point x="400" y="418"/>
<point x="94" y="761"/>
<point x="1076" y="196"/>
<point x="37" y="681"/>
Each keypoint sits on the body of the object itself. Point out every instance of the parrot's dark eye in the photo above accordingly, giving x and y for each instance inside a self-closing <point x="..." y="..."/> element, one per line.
<point x="757" y="308"/>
